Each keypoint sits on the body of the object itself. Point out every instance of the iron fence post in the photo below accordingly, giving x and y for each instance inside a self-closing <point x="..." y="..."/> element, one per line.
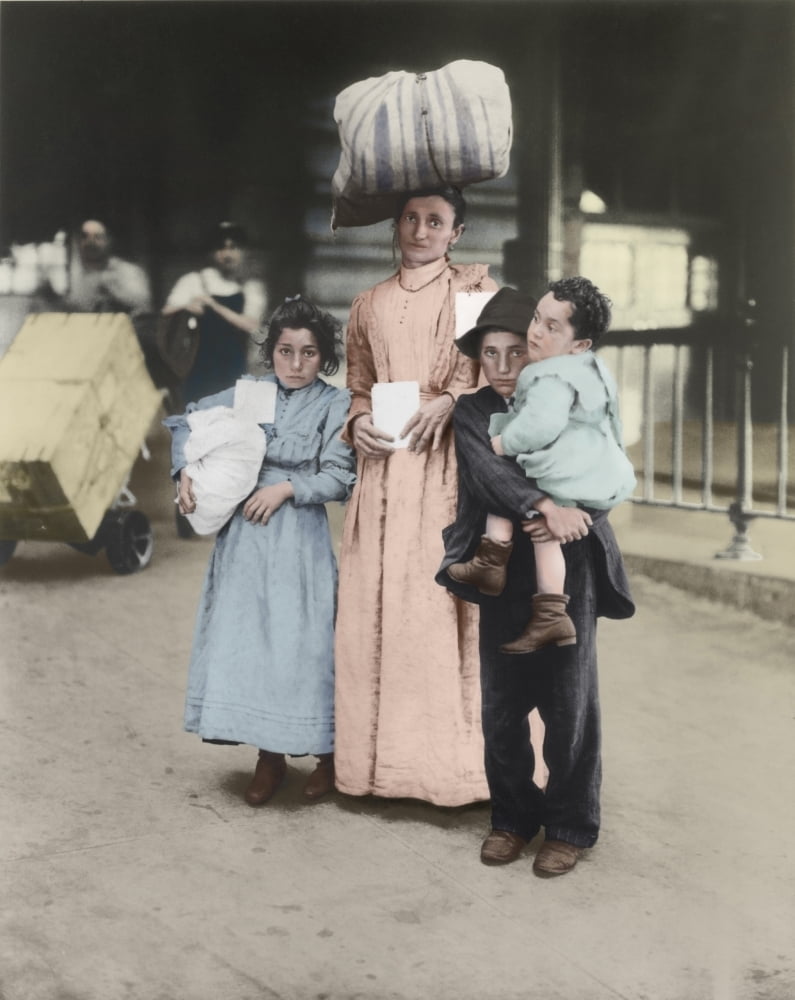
<point x="739" y="509"/>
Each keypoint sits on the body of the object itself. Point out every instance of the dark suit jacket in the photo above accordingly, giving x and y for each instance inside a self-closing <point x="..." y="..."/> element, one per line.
<point x="489" y="483"/>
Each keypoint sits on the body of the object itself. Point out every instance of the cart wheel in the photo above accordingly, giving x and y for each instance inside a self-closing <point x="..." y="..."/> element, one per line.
<point x="6" y="550"/>
<point x="128" y="540"/>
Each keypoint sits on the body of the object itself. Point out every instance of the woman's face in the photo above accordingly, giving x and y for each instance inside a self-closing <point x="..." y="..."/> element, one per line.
<point x="296" y="358"/>
<point x="425" y="230"/>
<point x="228" y="258"/>
<point x="502" y="357"/>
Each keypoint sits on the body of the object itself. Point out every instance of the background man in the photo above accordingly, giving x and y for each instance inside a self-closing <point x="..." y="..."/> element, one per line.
<point x="90" y="279"/>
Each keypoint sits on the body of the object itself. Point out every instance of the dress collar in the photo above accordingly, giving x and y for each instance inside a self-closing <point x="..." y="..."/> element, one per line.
<point x="413" y="279"/>
<point x="286" y="391"/>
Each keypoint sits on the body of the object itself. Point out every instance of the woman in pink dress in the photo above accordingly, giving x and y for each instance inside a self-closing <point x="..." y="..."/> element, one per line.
<point x="407" y="667"/>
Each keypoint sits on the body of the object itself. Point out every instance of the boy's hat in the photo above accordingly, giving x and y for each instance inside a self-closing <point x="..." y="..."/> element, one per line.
<point x="508" y="310"/>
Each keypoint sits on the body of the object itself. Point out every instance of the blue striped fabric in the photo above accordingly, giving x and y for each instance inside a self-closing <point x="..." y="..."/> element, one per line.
<point x="402" y="131"/>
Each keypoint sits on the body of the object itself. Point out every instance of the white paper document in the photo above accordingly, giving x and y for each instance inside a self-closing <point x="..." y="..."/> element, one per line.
<point x="255" y="400"/>
<point x="468" y="306"/>
<point x="394" y="403"/>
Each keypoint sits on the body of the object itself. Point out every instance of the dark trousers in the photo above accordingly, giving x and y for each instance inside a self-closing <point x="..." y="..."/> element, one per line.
<point x="561" y="682"/>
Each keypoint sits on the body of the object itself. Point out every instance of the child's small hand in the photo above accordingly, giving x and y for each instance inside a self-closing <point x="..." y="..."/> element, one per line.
<point x="264" y="502"/>
<point x="185" y="497"/>
<point x="496" y="445"/>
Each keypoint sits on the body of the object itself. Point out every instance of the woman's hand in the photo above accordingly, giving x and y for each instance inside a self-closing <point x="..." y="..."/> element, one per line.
<point x="196" y="305"/>
<point x="264" y="502"/>
<point x="429" y="424"/>
<point x="496" y="445"/>
<point x="368" y="441"/>
<point x="185" y="497"/>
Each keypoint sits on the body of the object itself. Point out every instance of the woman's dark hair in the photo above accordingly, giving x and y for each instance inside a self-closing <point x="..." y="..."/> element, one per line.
<point x="591" y="309"/>
<point x="224" y="232"/>
<point x="452" y="195"/>
<point x="301" y="314"/>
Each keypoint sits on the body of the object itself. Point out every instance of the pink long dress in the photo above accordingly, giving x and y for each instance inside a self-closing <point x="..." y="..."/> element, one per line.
<point x="407" y="666"/>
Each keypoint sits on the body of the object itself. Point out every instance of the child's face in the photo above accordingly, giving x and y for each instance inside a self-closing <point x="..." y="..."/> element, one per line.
<point x="550" y="333"/>
<point x="502" y="357"/>
<point x="296" y="358"/>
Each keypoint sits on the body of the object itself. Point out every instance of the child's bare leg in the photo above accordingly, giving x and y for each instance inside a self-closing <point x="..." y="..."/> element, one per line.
<point x="550" y="567"/>
<point x="486" y="569"/>
<point x="499" y="529"/>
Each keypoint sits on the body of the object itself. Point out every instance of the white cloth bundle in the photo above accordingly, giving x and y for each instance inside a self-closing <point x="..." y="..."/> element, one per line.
<point x="224" y="453"/>
<point x="404" y="131"/>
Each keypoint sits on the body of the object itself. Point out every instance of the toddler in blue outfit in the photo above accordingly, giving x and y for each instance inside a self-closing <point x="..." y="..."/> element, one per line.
<point x="563" y="428"/>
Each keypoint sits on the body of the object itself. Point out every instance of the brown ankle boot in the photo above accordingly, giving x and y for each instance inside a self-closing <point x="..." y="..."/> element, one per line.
<point x="486" y="569"/>
<point x="549" y="624"/>
<point x="268" y="775"/>
<point x="321" y="781"/>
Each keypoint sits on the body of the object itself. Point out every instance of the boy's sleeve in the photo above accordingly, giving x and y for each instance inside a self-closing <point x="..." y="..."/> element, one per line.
<point x="497" y="484"/>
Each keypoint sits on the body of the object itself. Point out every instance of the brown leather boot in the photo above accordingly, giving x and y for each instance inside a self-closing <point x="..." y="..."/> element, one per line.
<point x="549" y="624"/>
<point x="321" y="781"/>
<point x="268" y="775"/>
<point x="486" y="569"/>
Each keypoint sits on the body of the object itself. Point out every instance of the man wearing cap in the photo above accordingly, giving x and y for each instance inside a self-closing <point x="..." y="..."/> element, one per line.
<point x="559" y="681"/>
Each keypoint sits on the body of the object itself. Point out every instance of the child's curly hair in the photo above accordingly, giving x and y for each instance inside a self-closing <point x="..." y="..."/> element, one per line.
<point x="300" y="314"/>
<point x="591" y="308"/>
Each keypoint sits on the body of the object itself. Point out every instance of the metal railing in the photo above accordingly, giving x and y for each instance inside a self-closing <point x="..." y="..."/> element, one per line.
<point x="679" y="371"/>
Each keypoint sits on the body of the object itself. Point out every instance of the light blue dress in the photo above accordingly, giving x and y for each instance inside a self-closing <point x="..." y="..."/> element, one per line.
<point x="262" y="664"/>
<point x="565" y="432"/>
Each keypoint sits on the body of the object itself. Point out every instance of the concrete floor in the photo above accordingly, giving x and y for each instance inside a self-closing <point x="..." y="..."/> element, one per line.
<point x="132" y="869"/>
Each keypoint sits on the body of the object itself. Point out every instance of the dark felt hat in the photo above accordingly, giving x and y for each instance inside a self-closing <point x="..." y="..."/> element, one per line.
<point x="508" y="310"/>
<point x="224" y="232"/>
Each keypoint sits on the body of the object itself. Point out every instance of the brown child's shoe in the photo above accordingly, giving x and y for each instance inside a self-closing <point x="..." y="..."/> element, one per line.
<point x="486" y="569"/>
<point x="501" y="847"/>
<point x="549" y="624"/>
<point x="321" y="781"/>
<point x="268" y="775"/>
<point x="556" y="857"/>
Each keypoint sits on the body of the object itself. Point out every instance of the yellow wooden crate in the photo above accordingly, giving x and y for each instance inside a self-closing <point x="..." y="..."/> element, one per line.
<point x="76" y="402"/>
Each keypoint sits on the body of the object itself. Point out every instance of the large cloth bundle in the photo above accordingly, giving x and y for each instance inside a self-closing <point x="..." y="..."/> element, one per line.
<point x="224" y="453"/>
<point x="404" y="131"/>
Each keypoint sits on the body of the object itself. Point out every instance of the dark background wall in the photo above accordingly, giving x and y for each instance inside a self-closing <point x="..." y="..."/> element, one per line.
<point x="163" y="117"/>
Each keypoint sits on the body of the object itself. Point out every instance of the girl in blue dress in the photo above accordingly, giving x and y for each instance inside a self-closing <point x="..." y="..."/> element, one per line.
<point x="261" y="669"/>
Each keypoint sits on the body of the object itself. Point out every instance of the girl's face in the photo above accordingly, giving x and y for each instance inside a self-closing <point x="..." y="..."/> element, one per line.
<point x="502" y="357"/>
<point x="425" y="230"/>
<point x="296" y="358"/>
